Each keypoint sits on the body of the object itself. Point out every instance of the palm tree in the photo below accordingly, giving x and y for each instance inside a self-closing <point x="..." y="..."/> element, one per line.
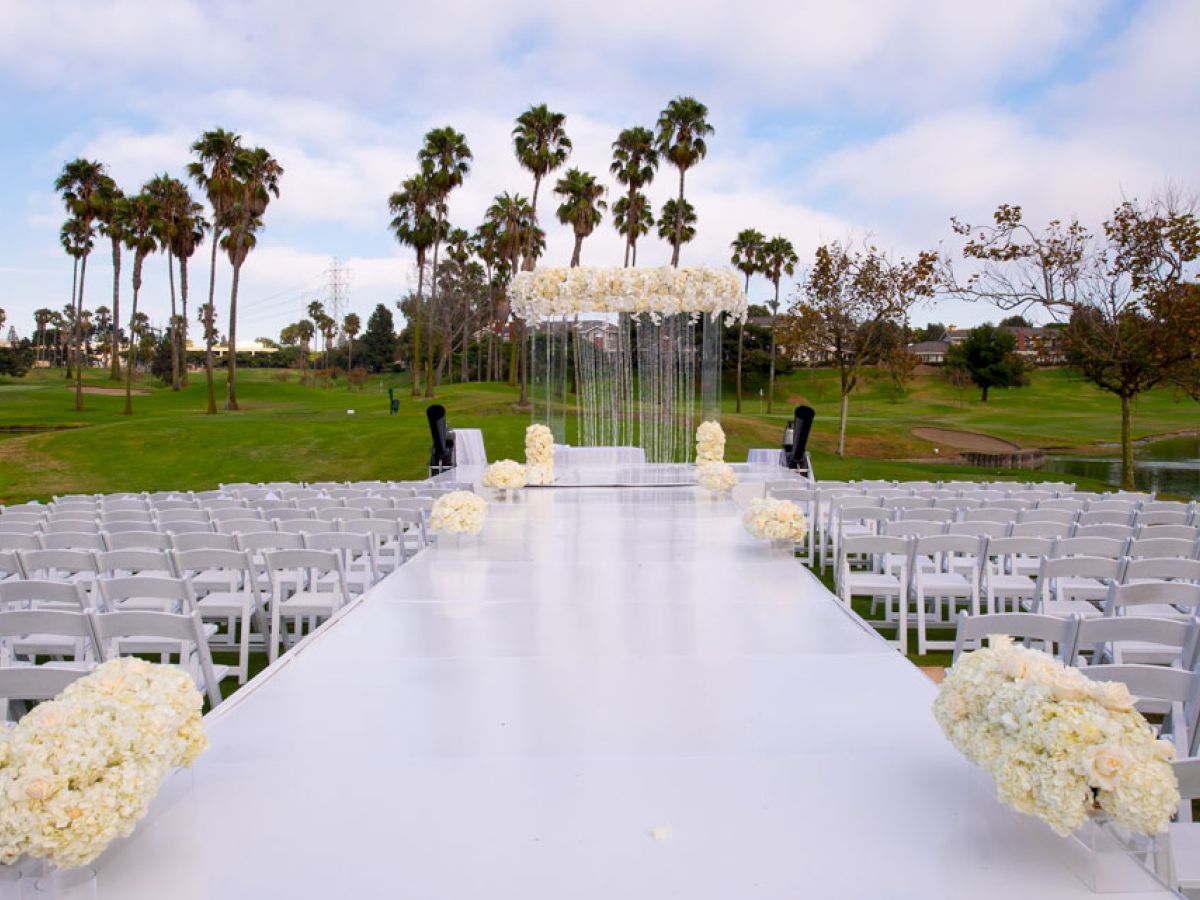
<point x="351" y="325"/>
<point x="682" y="128"/>
<point x="445" y="160"/>
<point x="113" y="212"/>
<point x="104" y="328"/>
<point x="41" y="318"/>
<point x="541" y="145"/>
<point x="76" y="239"/>
<point x="316" y="312"/>
<point x="677" y="225"/>
<point x="80" y="183"/>
<point x="305" y="331"/>
<point x="188" y="236"/>
<point x="747" y="259"/>
<point x="174" y="203"/>
<point x="256" y="178"/>
<point x="415" y="225"/>
<point x="778" y="259"/>
<point x="582" y="207"/>
<point x="212" y="171"/>
<point x="141" y="228"/>
<point x="635" y="160"/>
<point x="516" y="229"/>
<point x="632" y="217"/>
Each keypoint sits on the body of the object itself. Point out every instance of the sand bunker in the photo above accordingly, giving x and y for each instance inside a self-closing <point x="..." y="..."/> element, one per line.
<point x="110" y="392"/>
<point x="965" y="440"/>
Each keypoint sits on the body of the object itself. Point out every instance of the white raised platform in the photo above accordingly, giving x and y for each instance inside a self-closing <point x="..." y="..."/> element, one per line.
<point x="611" y="693"/>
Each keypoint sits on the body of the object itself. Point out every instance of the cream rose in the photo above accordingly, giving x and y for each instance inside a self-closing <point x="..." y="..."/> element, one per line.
<point x="1107" y="764"/>
<point x="1113" y="695"/>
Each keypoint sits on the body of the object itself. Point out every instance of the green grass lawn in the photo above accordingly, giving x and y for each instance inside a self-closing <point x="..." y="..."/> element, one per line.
<point x="286" y="430"/>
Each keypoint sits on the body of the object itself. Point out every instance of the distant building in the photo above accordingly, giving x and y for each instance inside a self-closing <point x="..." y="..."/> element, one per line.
<point x="931" y="353"/>
<point x="1041" y="346"/>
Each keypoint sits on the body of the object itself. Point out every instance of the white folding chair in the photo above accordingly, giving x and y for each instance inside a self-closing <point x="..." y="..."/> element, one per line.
<point x="73" y="540"/>
<point x="1072" y="585"/>
<point x="127" y="632"/>
<point x="11" y="542"/>
<point x="1057" y="634"/>
<point x="1135" y="639"/>
<point x="1161" y="569"/>
<point x="953" y="577"/>
<point x="137" y="540"/>
<point x="119" y="563"/>
<point x="1156" y="687"/>
<point x="1009" y="571"/>
<point x="1178" y="600"/>
<point x="300" y="591"/>
<point x="227" y="591"/>
<point x="70" y="526"/>
<point x="359" y="555"/>
<point x="385" y="535"/>
<point x="1183" y="835"/>
<point x="27" y="684"/>
<point x="47" y="632"/>
<point x="1162" y="548"/>
<point x="872" y="578"/>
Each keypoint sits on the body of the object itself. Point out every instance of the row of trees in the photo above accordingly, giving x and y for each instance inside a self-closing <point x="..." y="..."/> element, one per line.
<point x="163" y="216"/>
<point x="470" y="296"/>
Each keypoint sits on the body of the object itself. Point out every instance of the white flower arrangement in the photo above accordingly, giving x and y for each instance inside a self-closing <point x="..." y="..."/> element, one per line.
<point x="79" y="771"/>
<point x="505" y="474"/>
<point x="459" y="512"/>
<point x="539" y="455"/>
<point x="769" y="519"/>
<point x="1057" y="743"/>
<point x="717" y="477"/>
<point x="664" y="291"/>
<point x="710" y="443"/>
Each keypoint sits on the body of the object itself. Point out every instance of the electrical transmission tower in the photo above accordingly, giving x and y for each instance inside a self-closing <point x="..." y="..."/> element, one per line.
<point x="337" y="284"/>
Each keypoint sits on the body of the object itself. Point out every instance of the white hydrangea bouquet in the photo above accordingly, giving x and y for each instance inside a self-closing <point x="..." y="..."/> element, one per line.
<point x="459" y="512"/>
<point x="504" y="475"/>
<point x="769" y="519"/>
<point x="717" y="477"/>
<point x="79" y="771"/>
<point x="539" y="455"/>
<point x="710" y="443"/>
<point x="1058" y="745"/>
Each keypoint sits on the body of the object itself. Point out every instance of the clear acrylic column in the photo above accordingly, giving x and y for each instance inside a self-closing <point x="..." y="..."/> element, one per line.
<point x="710" y="369"/>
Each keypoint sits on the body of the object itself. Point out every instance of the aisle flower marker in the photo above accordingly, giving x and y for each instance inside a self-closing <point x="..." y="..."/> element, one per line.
<point x="1057" y="744"/>
<point x="459" y="512"/>
<point x="504" y="475"/>
<point x="774" y="520"/>
<point x="539" y="455"/>
<point x="712" y="472"/>
<point x="79" y="771"/>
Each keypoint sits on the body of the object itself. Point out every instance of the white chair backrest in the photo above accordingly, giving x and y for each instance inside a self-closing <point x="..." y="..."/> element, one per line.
<point x="33" y="683"/>
<point x="1187" y="773"/>
<point x="978" y="529"/>
<point x="32" y="592"/>
<point x="13" y="542"/>
<point x="188" y="514"/>
<point x="911" y="528"/>
<point x="1104" y="635"/>
<point x="1184" y="532"/>
<point x="1163" y="683"/>
<point x="19" y="623"/>
<point x="988" y="514"/>
<point x="138" y="540"/>
<point x="1062" y="504"/>
<point x="1059" y="516"/>
<point x="1146" y="593"/>
<point x="122" y="527"/>
<point x="1113" y="532"/>
<point x="1099" y="567"/>
<point x="175" y="593"/>
<point x="135" y="561"/>
<point x="1164" y="517"/>
<point x="235" y="512"/>
<point x="369" y="503"/>
<point x="73" y="541"/>
<point x="257" y="542"/>
<point x="1160" y="569"/>
<point x="304" y="526"/>
<point x="1044" y="530"/>
<point x="288" y="515"/>
<point x="56" y="565"/>
<point x="188" y="528"/>
<point x="926" y="514"/>
<point x="1093" y="516"/>
<point x="1161" y="548"/>
<point x="244" y="526"/>
<point x="189" y="562"/>
<point x="184" y="627"/>
<point x="71" y="526"/>
<point x="203" y="540"/>
<point x="1089" y="546"/>
<point x="318" y="503"/>
<point x="1026" y="627"/>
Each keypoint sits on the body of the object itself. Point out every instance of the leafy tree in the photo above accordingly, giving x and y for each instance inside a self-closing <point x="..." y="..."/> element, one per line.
<point x="934" y="331"/>
<point x="379" y="340"/>
<point x="989" y="356"/>
<point x="1124" y="297"/>
<point x="682" y="129"/>
<point x="778" y="259"/>
<point x="845" y="300"/>
<point x="213" y="171"/>
<point x="112" y="212"/>
<point x="1015" y="322"/>
<point x="515" y="227"/>
<point x="582" y="207"/>
<point x="189" y="234"/>
<point x="415" y="225"/>
<point x="174" y="205"/>
<point x="747" y="258"/>
<point x="635" y="161"/>
<point x="16" y="361"/>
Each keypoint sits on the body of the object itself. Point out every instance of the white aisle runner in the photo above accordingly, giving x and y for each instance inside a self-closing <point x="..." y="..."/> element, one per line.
<point x="612" y="694"/>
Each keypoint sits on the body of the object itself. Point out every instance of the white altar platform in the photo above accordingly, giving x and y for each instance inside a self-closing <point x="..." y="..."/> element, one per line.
<point x="611" y="693"/>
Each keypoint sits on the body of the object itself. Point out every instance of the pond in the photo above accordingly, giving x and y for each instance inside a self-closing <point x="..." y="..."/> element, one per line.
<point x="1169" y="466"/>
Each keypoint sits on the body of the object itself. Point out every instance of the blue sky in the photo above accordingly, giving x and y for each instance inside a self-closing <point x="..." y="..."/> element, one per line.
<point x="877" y="118"/>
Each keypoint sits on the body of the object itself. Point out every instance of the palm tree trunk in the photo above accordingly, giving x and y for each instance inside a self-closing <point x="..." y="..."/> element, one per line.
<point x="137" y="285"/>
<point x="631" y="224"/>
<point x="437" y="245"/>
<point x="79" y="337"/>
<point x="771" y="378"/>
<point x="183" y="298"/>
<point x="512" y="353"/>
<point x="74" y="294"/>
<point x="528" y="264"/>
<point x="678" y="222"/>
<point x="208" y="324"/>
<point x="524" y="366"/>
<point x="741" y="343"/>
<point x="231" y="403"/>
<point x="416" y="357"/>
<point x="114" y="371"/>
<point x="578" y="250"/>
<point x="174" y="324"/>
